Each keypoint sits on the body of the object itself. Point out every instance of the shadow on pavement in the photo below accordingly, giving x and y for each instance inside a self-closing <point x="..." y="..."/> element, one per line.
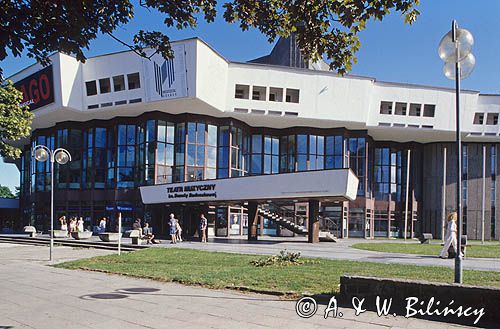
<point x="127" y="292"/>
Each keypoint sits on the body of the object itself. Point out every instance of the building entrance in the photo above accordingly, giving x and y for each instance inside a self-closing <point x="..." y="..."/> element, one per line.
<point x="253" y="205"/>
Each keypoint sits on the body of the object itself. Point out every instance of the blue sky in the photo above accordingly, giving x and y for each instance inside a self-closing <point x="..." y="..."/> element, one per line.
<point x="390" y="51"/>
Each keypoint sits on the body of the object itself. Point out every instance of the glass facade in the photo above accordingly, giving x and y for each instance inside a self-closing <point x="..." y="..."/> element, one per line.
<point x="122" y="154"/>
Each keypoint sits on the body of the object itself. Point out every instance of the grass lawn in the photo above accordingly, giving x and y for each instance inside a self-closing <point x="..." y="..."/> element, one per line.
<point x="480" y="251"/>
<point x="225" y="270"/>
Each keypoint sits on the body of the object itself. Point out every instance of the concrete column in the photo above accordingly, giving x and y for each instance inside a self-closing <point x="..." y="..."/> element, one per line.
<point x="313" y="222"/>
<point x="253" y="219"/>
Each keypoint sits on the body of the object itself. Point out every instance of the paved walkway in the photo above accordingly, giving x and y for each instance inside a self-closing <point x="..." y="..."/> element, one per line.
<point x="331" y="250"/>
<point x="335" y="250"/>
<point x="33" y="295"/>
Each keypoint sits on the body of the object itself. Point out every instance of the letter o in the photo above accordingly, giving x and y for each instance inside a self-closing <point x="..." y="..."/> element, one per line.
<point x="44" y="86"/>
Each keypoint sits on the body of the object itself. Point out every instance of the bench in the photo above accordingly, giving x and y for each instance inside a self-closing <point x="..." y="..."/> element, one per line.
<point x="425" y="238"/>
<point x="136" y="237"/>
<point x="109" y="236"/>
<point x="60" y="234"/>
<point x="31" y="230"/>
<point x="81" y="235"/>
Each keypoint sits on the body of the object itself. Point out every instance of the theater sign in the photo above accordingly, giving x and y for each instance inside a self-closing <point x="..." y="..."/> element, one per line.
<point x="334" y="185"/>
<point x="37" y="89"/>
<point x="167" y="77"/>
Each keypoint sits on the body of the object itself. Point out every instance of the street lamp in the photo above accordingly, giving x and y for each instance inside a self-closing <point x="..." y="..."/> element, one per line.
<point x="455" y="50"/>
<point x="42" y="153"/>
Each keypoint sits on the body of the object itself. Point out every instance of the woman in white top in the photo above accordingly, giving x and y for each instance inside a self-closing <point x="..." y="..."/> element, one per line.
<point x="80" y="225"/>
<point x="451" y="235"/>
<point x="72" y="225"/>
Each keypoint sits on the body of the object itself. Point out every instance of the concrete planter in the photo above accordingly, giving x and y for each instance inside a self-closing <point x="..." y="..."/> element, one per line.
<point x="31" y="230"/>
<point x="109" y="236"/>
<point x="81" y="235"/>
<point x="60" y="234"/>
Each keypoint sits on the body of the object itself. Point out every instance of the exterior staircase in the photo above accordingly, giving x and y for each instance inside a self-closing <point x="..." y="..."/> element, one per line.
<point x="272" y="213"/>
<point x="282" y="221"/>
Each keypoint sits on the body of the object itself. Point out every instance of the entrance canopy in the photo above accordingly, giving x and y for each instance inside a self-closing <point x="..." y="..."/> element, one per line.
<point x="321" y="185"/>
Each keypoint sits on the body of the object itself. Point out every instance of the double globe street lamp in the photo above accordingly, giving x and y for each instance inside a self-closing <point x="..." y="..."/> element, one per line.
<point x="455" y="49"/>
<point x="42" y="153"/>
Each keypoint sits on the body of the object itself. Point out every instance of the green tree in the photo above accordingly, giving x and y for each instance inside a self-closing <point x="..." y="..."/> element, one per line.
<point x="323" y="27"/>
<point x="5" y="192"/>
<point x="15" y="120"/>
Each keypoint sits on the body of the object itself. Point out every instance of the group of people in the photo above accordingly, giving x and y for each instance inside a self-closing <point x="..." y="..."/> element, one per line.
<point x="74" y="224"/>
<point x="176" y="229"/>
<point x="145" y="232"/>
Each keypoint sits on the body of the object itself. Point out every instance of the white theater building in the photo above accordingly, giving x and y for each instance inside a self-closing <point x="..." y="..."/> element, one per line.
<point x="152" y="137"/>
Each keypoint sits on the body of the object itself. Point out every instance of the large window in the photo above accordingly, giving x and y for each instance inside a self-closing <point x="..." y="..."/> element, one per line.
<point x="288" y="155"/>
<point x="164" y="151"/>
<point x="238" y="164"/>
<point x="111" y="159"/>
<point x="223" y="160"/>
<point x="334" y="152"/>
<point x="195" y="151"/>
<point x="94" y="158"/>
<point x="41" y="170"/>
<point x="389" y="174"/>
<point x="302" y="152"/>
<point x="126" y="156"/>
<point x="271" y="154"/>
<point x="180" y="144"/>
<point x="256" y="155"/>
<point x="357" y="160"/>
<point x="382" y="173"/>
<point x="316" y="152"/>
<point x="69" y="175"/>
<point x="211" y="162"/>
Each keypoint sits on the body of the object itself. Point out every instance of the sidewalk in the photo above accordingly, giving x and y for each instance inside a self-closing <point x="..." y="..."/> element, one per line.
<point x="33" y="295"/>
<point x="333" y="250"/>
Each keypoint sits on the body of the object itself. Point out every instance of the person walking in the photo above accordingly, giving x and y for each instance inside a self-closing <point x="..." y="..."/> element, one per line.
<point x="173" y="228"/>
<point x="451" y="235"/>
<point x="203" y="228"/>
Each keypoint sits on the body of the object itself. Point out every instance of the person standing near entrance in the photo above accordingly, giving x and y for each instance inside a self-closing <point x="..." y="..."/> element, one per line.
<point x="451" y="235"/>
<point x="178" y="232"/>
<point x="173" y="228"/>
<point x="203" y="228"/>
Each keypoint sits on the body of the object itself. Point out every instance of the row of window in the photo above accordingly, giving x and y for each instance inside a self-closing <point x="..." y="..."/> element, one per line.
<point x="118" y="82"/>
<point x="156" y="152"/>
<point x="126" y="155"/>
<point x="260" y="93"/>
<point x="415" y="110"/>
<point x="491" y="119"/>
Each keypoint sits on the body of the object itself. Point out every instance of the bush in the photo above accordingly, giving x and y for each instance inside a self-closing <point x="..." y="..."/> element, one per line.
<point x="284" y="258"/>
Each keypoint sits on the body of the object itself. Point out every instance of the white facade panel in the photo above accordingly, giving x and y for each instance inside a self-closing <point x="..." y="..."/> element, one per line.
<point x="337" y="184"/>
<point x="199" y="80"/>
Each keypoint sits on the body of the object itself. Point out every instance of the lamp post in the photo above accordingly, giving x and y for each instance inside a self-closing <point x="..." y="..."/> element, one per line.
<point x="455" y="50"/>
<point x="42" y="153"/>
